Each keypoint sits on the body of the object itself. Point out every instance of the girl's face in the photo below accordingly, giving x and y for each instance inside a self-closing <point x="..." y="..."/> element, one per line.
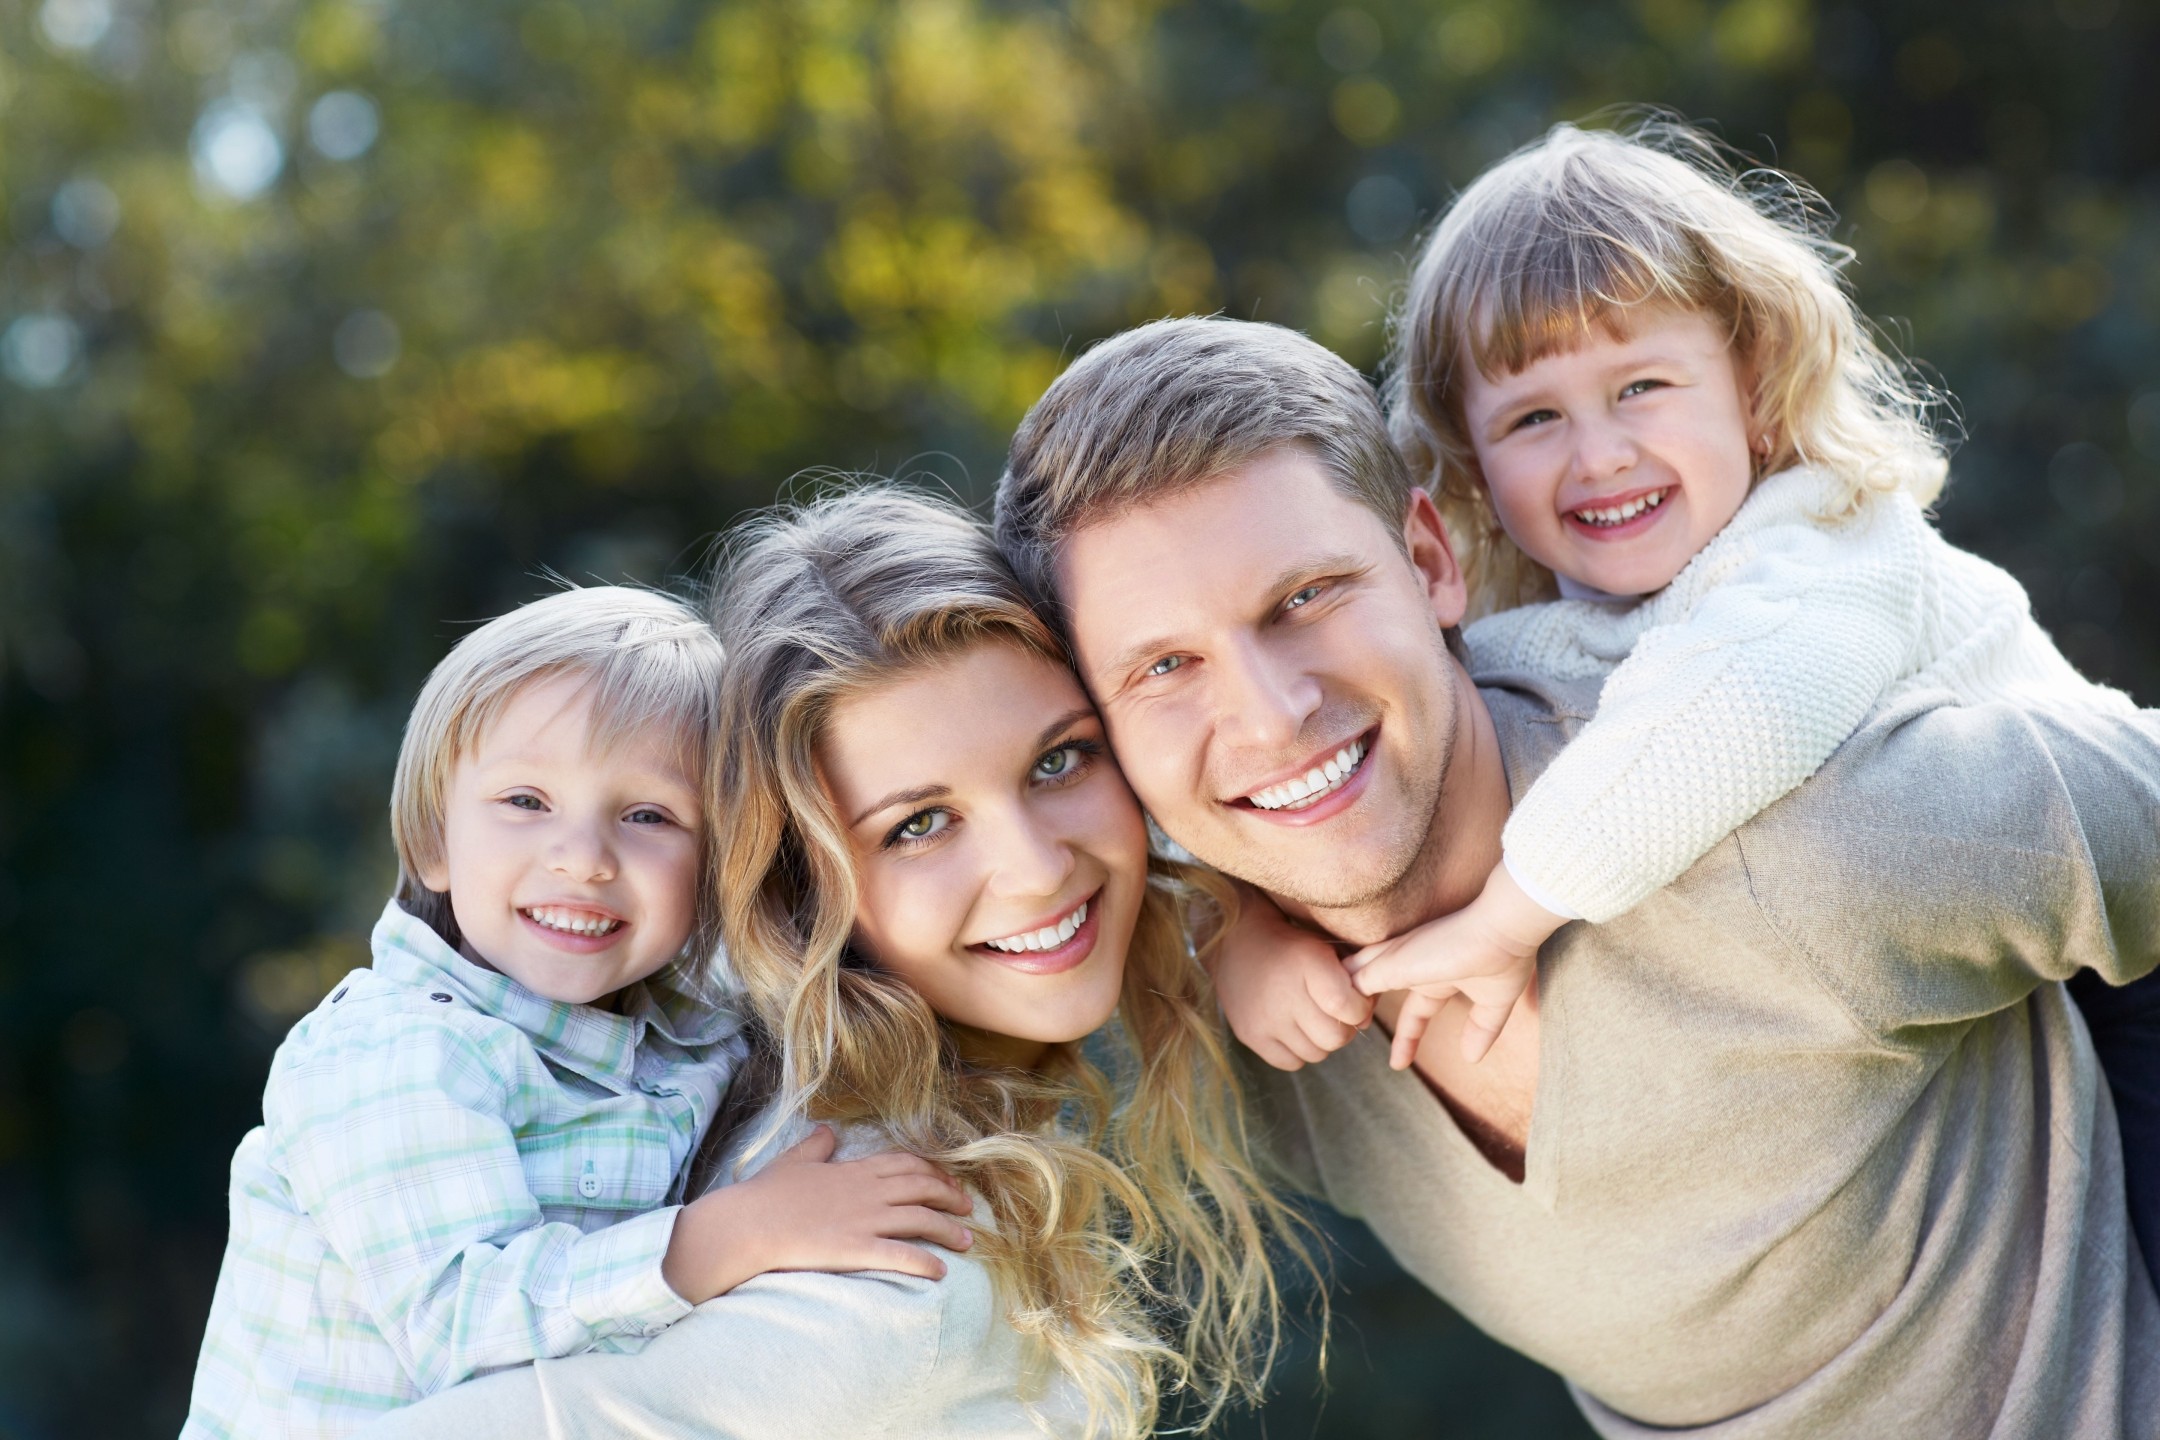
<point x="1000" y="859"/>
<point x="1614" y="463"/>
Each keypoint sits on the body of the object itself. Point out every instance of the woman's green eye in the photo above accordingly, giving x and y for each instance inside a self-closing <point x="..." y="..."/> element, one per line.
<point x="922" y="826"/>
<point x="1058" y="762"/>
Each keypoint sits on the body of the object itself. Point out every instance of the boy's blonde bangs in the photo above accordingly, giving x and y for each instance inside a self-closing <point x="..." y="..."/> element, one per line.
<point x="1588" y="232"/>
<point x="649" y="664"/>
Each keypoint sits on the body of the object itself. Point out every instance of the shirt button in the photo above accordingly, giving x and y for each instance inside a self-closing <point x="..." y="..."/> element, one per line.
<point x="439" y="998"/>
<point x="588" y="1181"/>
<point x="339" y="996"/>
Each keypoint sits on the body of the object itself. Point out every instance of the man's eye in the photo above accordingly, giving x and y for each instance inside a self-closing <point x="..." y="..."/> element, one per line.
<point x="1165" y="665"/>
<point x="527" y="802"/>
<point x="920" y="826"/>
<point x="1303" y="597"/>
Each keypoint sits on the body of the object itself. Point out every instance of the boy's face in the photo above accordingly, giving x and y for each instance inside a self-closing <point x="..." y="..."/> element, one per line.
<point x="1614" y="463"/>
<point x="574" y="873"/>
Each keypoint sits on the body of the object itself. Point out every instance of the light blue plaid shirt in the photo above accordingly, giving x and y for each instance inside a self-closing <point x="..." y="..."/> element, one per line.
<point x="452" y="1175"/>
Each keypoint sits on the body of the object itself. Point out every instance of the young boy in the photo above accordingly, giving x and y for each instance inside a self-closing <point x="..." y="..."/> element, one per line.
<point x="473" y="1154"/>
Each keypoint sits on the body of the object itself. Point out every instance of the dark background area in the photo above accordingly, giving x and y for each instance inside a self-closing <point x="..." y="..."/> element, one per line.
<point x="328" y="326"/>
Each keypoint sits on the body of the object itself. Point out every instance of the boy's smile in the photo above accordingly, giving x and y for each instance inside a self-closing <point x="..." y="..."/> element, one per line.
<point x="573" y="872"/>
<point x="1615" y="462"/>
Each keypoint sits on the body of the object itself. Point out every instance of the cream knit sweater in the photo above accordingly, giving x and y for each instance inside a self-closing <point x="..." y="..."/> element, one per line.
<point x="1731" y="685"/>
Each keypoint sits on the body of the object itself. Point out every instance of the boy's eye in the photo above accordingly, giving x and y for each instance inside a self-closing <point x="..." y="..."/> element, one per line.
<point x="1638" y="387"/>
<point x="920" y="826"/>
<point x="1535" y="417"/>
<point x="1302" y="598"/>
<point x="527" y="802"/>
<point x="1165" y="665"/>
<point x="647" y="815"/>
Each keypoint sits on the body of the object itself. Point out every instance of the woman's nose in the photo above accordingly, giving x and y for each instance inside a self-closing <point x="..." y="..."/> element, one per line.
<point x="1032" y="859"/>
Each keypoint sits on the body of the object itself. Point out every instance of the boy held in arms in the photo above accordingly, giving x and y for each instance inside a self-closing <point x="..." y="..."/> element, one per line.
<point x="1630" y="375"/>
<point x="473" y="1155"/>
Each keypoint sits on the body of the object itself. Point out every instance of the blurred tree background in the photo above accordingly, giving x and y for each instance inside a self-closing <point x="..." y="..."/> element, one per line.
<point x="327" y="326"/>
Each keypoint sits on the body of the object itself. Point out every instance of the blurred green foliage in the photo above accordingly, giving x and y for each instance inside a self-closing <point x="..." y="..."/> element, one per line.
<point x="326" y="326"/>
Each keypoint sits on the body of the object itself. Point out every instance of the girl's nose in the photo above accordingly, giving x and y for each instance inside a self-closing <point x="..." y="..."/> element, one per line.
<point x="584" y="856"/>
<point x="1603" y="448"/>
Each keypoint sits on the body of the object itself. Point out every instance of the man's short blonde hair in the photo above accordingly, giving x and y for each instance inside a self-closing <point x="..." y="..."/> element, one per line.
<point x="1176" y="403"/>
<point x="650" y="662"/>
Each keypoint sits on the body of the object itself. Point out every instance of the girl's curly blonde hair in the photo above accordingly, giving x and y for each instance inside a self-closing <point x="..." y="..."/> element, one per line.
<point x="1132" y="1239"/>
<point x="1586" y="229"/>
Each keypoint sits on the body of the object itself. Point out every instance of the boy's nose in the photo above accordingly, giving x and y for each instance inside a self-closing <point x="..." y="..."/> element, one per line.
<point x="584" y="857"/>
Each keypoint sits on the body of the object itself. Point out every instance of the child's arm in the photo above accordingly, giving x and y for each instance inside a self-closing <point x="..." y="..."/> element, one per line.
<point x="1764" y="656"/>
<point x="396" y="1139"/>
<point x="805" y="1212"/>
<point x="1282" y="988"/>
<point x="1486" y="952"/>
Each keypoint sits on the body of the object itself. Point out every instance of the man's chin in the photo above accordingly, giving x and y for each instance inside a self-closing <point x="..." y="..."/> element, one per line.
<point x="1317" y="869"/>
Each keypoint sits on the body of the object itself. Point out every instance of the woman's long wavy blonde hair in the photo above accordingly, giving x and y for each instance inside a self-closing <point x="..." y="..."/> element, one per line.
<point x="1132" y="1237"/>
<point x="1583" y="228"/>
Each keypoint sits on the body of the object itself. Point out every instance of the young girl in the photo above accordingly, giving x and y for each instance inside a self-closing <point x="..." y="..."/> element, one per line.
<point x="1632" y="376"/>
<point x="472" y="1154"/>
<point x="935" y="887"/>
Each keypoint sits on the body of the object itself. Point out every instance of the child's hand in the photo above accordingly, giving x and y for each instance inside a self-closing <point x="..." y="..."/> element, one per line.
<point x="806" y="1212"/>
<point x="1485" y="952"/>
<point x="1283" y="989"/>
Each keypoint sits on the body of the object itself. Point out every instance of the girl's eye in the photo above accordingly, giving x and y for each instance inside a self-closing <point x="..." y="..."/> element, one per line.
<point x="1302" y="598"/>
<point x="527" y="802"/>
<point x="1165" y="665"/>
<point x="920" y="826"/>
<point x="646" y="815"/>
<point x="1639" y="387"/>
<point x="1535" y="417"/>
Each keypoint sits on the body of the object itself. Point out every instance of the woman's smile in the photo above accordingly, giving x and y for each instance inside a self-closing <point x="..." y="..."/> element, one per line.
<point x="1051" y="948"/>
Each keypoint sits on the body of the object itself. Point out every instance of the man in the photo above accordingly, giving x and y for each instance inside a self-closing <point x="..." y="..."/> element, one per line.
<point x="1810" y="1143"/>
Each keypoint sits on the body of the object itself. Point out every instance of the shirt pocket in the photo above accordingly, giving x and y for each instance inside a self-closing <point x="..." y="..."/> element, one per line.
<point x="614" y="1164"/>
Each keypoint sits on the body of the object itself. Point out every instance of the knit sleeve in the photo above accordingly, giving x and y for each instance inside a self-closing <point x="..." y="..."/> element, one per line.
<point x="1766" y="655"/>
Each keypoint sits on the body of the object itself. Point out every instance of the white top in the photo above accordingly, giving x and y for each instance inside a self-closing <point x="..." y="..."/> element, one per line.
<point x="784" y="1356"/>
<point x="1735" y="682"/>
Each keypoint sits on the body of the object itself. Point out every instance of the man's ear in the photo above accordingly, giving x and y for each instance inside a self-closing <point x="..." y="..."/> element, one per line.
<point x="1425" y="540"/>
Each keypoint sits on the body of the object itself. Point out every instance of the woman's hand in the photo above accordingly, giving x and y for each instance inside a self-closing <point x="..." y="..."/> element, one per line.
<point x="805" y="1211"/>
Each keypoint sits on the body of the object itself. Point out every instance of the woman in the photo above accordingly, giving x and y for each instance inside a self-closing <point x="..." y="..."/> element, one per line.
<point x="934" y="886"/>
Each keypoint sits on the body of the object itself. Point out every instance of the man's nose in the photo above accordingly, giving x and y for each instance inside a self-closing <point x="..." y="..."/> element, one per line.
<point x="1263" y="696"/>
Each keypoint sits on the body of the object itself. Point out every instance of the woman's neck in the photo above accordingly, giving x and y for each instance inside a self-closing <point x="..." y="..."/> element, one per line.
<point x="984" y="1048"/>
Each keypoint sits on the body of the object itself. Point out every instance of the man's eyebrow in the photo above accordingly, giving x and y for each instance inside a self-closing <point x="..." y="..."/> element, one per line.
<point x="901" y="797"/>
<point x="1287" y="578"/>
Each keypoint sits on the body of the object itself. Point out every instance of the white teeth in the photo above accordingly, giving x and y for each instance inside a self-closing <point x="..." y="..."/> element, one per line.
<point x="1321" y="780"/>
<point x="1047" y="938"/>
<point x="573" y="922"/>
<point x="1621" y="514"/>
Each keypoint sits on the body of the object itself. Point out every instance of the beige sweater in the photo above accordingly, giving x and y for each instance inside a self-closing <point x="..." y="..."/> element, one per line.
<point x="786" y="1356"/>
<point x="1819" y="1148"/>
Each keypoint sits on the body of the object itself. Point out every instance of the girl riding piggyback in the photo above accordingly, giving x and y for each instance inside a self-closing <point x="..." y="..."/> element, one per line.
<point x="1639" y="394"/>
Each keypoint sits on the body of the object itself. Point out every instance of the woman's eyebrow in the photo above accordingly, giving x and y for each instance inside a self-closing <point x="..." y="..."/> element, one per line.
<point x="1063" y="723"/>
<point x="902" y="797"/>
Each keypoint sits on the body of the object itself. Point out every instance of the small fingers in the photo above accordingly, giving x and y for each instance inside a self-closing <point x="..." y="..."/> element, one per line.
<point x="1325" y="1033"/>
<point x="1410" y="1027"/>
<point x="1332" y="990"/>
<point x="1276" y="1054"/>
<point x="918" y="1222"/>
<point x="1483" y="1026"/>
<point x="925" y="1189"/>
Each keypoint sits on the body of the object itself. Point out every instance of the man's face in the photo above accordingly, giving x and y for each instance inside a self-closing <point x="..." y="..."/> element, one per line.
<point x="1271" y="668"/>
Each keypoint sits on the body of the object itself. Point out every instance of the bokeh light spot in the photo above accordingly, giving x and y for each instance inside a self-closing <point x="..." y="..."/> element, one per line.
<point x="236" y="152"/>
<point x="1349" y="40"/>
<point x="343" y="124"/>
<point x="1897" y="191"/>
<point x="39" y="351"/>
<point x="1381" y="209"/>
<point x="75" y="24"/>
<point x="85" y="212"/>
<point x="366" y="344"/>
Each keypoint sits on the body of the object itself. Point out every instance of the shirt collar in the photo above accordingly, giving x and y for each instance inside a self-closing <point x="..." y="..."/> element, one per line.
<point x="599" y="1044"/>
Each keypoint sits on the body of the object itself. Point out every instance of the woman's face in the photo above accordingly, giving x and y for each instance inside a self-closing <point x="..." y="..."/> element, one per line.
<point x="1001" y="861"/>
